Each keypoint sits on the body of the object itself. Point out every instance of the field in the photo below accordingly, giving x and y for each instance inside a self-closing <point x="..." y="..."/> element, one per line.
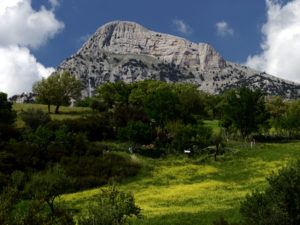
<point x="189" y="190"/>
<point x="181" y="190"/>
<point x="65" y="112"/>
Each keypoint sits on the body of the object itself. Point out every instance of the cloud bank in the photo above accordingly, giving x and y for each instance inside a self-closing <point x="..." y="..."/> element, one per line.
<point x="22" y="28"/>
<point x="281" y="41"/>
<point x="223" y="29"/>
<point x="182" y="27"/>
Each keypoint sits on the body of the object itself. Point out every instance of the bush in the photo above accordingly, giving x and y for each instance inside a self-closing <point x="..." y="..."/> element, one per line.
<point x="34" y="118"/>
<point x="83" y="102"/>
<point x="136" y="132"/>
<point x="279" y="204"/>
<point x="96" y="127"/>
<point x="90" y="171"/>
<point x="8" y="132"/>
<point x="111" y="207"/>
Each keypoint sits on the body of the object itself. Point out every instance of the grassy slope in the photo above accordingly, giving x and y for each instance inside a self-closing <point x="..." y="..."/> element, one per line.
<point x="65" y="112"/>
<point x="181" y="190"/>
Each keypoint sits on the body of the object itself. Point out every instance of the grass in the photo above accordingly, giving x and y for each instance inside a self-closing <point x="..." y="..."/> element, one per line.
<point x="183" y="190"/>
<point x="65" y="112"/>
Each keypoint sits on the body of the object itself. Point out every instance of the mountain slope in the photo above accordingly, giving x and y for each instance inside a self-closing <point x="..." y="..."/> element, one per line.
<point x="129" y="52"/>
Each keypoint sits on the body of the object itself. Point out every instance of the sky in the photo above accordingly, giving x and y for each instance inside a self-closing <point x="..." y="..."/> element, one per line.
<point x="37" y="35"/>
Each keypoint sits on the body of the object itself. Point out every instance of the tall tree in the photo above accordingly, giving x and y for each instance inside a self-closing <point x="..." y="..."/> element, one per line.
<point x="245" y="110"/>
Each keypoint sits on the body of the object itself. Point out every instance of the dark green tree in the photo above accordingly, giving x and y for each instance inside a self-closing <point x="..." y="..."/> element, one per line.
<point x="7" y="115"/>
<point x="245" y="110"/>
<point x="163" y="106"/>
<point x="279" y="203"/>
<point x="48" y="186"/>
<point x="34" y="118"/>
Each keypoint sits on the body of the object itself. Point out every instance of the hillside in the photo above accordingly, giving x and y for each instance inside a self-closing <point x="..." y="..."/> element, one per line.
<point x="179" y="190"/>
<point x="126" y="51"/>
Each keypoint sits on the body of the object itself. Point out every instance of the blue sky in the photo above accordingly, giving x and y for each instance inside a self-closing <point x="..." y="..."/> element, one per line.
<point x="252" y="32"/>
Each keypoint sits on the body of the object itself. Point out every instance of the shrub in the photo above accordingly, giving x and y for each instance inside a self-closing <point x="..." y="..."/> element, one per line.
<point x="34" y="118"/>
<point x="83" y="102"/>
<point x="280" y="202"/>
<point x="111" y="207"/>
<point x="136" y="132"/>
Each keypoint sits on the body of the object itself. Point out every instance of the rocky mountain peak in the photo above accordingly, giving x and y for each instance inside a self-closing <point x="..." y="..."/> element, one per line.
<point x="126" y="51"/>
<point x="131" y="38"/>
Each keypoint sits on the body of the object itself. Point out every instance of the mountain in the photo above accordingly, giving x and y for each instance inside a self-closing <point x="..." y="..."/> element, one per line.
<point x="126" y="51"/>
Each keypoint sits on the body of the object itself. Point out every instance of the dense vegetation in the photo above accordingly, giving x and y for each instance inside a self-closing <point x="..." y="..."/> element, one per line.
<point x="47" y="157"/>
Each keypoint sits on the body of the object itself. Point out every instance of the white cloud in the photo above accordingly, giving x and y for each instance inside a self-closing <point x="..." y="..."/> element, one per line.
<point x="54" y="3"/>
<point x="19" y="70"/>
<point x="182" y="27"/>
<point x="21" y="28"/>
<point x="281" y="41"/>
<point x="223" y="29"/>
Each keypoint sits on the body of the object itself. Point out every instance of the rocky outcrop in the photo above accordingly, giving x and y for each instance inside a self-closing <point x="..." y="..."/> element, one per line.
<point x="129" y="52"/>
<point x="23" y="98"/>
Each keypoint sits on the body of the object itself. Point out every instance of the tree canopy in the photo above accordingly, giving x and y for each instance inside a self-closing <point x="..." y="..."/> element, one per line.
<point x="58" y="89"/>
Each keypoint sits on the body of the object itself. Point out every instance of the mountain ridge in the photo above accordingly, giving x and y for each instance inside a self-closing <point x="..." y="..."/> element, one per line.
<point x="123" y="50"/>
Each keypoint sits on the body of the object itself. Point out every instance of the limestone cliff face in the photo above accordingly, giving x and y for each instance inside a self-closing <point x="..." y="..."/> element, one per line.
<point x="131" y="38"/>
<point x="126" y="51"/>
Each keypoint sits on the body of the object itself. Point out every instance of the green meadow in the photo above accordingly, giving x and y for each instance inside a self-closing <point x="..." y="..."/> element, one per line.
<point x="198" y="190"/>
<point x="65" y="111"/>
<point x="183" y="190"/>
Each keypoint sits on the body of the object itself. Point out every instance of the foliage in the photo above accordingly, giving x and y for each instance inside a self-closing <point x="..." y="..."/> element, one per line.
<point x="101" y="168"/>
<point x="290" y="121"/>
<point x="58" y="89"/>
<point x="111" y="207"/>
<point x="85" y="102"/>
<point x="136" y="132"/>
<point x="98" y="105"/>
<point x="7" y="115"/>
<point x="49" y="185"/>
<point x="114" y="94"/>
<point x="34" y="118"/>
<point x="188" y="136"/>
<point x="245" y="110"/>
<point x="279" y="203"/>
<point x="163" y="106"/>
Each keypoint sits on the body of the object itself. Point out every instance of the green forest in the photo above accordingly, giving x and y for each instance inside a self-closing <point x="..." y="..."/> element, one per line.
<point x="149" y="152"/>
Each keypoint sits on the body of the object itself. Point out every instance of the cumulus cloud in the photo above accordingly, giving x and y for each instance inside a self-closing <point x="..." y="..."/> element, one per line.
<point x="223" y="29"/>
<point x="54" y="3"/>
<point x="281" y="41"/>
<point x="19" y="70"/>
<point x="22" y="28"/>
<point x="182" y="27"/>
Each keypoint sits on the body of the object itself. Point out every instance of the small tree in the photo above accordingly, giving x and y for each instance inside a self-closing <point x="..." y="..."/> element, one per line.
<point x="49" y="186"/>
<point x="245" y="110"/>
<point x="136" y="133"/>
<point x="58" y="89"/>
<point x="217" y="140"/>
<point x="111" y="207"/>
<point x="34" y="118"/>
<point x="279" y="204"/>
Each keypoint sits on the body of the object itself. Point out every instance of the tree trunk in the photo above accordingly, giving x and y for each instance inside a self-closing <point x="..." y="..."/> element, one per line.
<point x="56" y="109"/>
<point x="49" y="108"/>
<point x="217" y="151"/>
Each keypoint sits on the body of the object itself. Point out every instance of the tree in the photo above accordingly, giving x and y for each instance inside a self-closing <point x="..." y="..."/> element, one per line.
<point x="290" y="120"/>
<point x="163" y="106"/>
<point x="217" y="140"/>
<point x="244" y="110"/>
<point x="7" y="115"/>
<point x="49" y="185"/>
<point x="34" y="118"/>
<point x="58" y="89"/>
<point x="136" y="132"/>
<point x="279" y="203"/>
<point x="114" y="94"/>
<point x="111" y="207"/>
